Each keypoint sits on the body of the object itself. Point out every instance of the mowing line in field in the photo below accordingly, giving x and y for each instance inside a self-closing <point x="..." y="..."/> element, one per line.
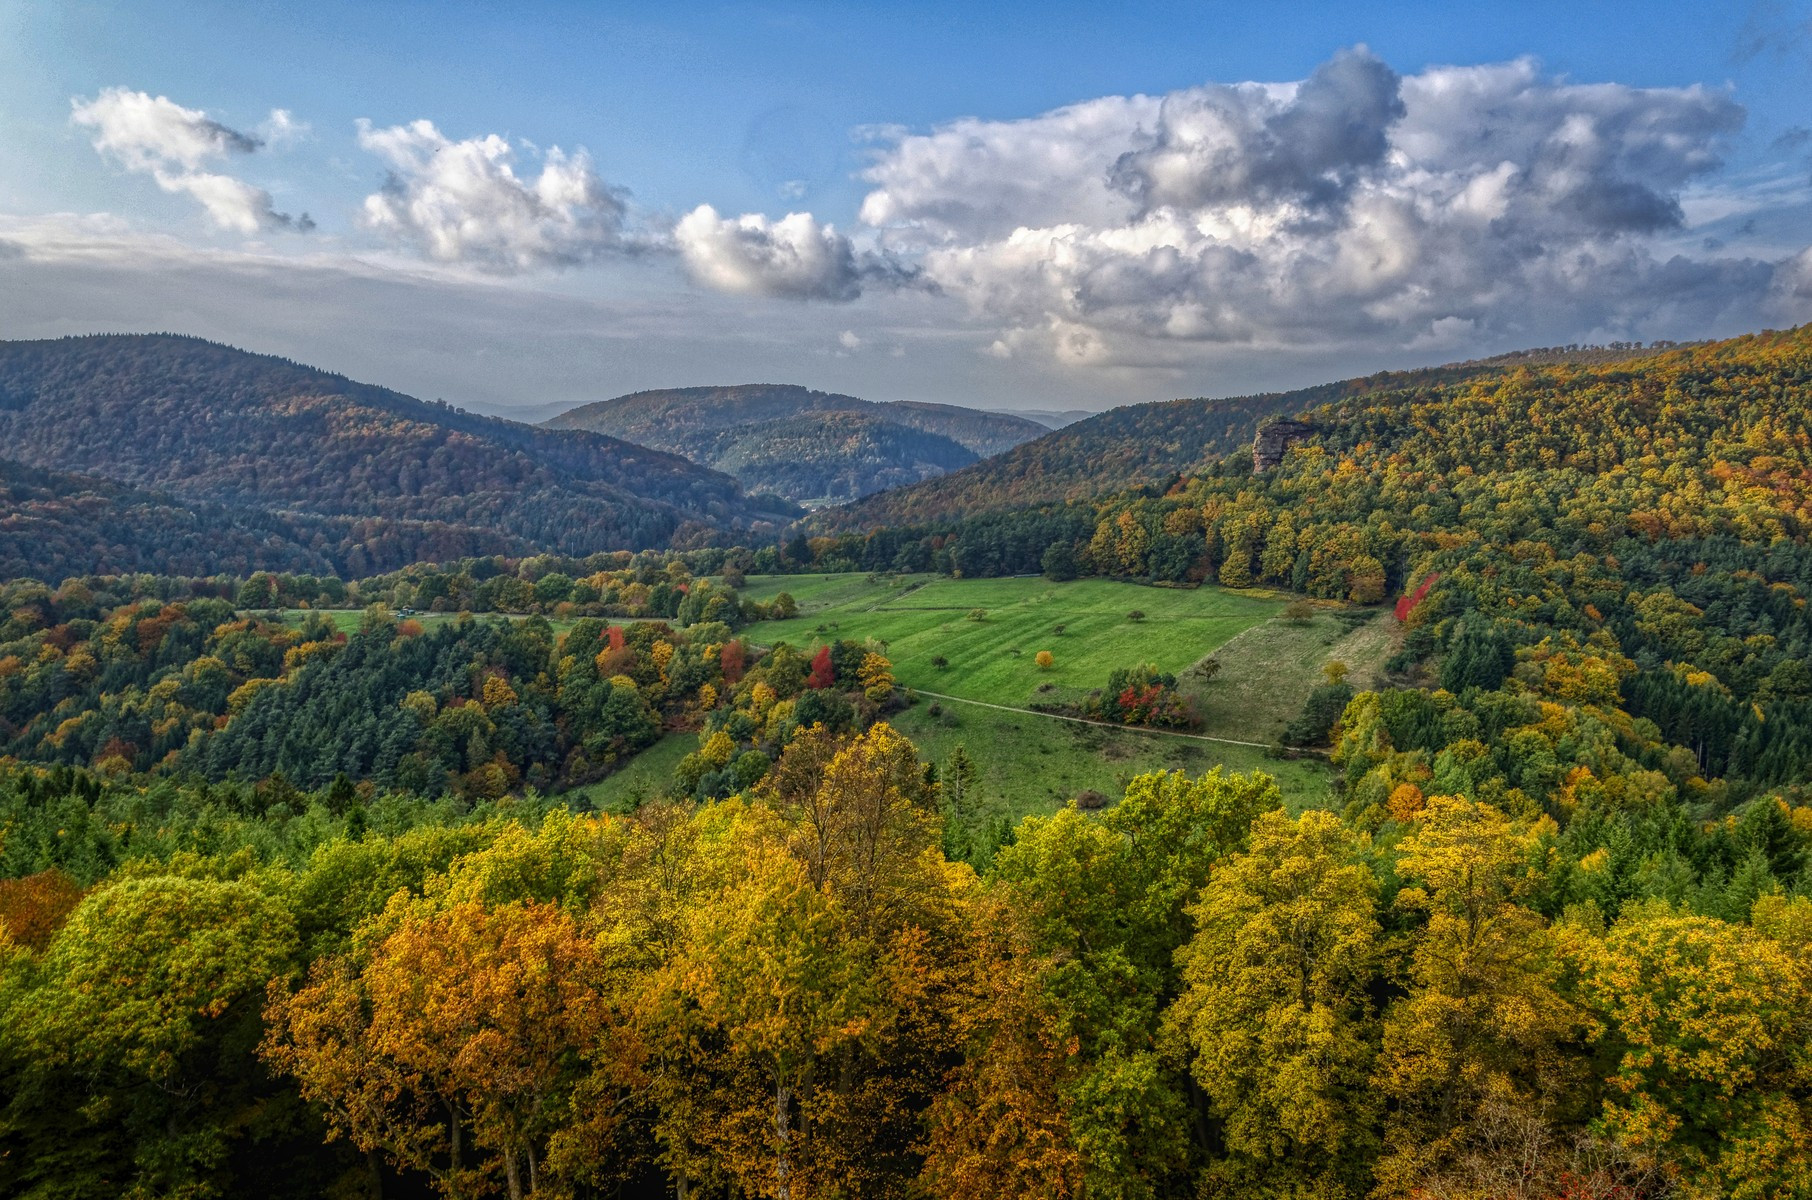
<point x="1032" y="712"/>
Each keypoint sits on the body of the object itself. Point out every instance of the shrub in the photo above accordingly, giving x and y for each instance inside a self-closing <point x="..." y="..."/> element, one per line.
<point x="1045" y="660"/>
<point x="1136" y="615"/>
<point x="1298" y="612"/>
<point x="1319" y="713"/>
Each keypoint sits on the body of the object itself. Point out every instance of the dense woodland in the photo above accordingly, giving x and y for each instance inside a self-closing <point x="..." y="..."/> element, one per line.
<point x="802" y="444"/>
<point x="291" y="911"/>
<point x="219" y="426"/>
<point x="1153" y="445"/>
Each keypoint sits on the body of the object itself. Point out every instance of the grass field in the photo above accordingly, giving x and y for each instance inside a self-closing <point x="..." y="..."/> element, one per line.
<point x="1267" y="672"/>
<point x="1032" y="763"/>
<point x="924" y="617"/>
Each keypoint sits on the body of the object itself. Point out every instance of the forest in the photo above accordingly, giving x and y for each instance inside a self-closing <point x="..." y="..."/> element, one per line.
<point x="302" y="894"/>
<point x="384" y="478"/>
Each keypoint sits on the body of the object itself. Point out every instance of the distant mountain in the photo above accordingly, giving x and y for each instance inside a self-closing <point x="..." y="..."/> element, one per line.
<point x="1050" y="418"/>
<point x="802" y="444"/>
<point x="208" y="424"/>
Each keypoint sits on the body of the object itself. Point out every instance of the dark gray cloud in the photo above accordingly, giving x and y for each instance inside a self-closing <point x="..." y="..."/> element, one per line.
<point x="1448" y="207"/>
<point x="1222" y="145"/>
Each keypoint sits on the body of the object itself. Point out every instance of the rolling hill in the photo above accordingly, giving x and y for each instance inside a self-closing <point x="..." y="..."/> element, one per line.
<point x="207" y="424"/>
<point x="802" y="444"/>
<point x="1151" y="445"/>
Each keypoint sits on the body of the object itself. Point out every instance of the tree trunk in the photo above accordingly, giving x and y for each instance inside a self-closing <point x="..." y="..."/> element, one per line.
<point x="512" y="1171"/>
<point x="782" y="1166"/>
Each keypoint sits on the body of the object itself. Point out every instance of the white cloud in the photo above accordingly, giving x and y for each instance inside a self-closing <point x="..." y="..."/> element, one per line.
<point x="975" y="179"/>
<point x="796" y="257"/>
<point x="153" y="135"/>
<point x="282" y="129"/>
<point x="1354" y="208"/>
<point x="462" y="201"/>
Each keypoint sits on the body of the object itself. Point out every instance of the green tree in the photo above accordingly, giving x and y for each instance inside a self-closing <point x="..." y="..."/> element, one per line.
<point x="1275" y="1012"/>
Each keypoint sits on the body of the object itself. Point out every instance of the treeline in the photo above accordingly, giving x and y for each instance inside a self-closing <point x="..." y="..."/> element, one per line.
<point x="615" y="584"/>
<point x="793" y="992"/>
<point x="477" y="708"/>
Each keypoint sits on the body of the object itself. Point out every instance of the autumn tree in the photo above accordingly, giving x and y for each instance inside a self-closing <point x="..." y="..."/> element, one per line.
<point x="1276" y="1013"/>
<point x="1486" y="1021"/>
<point x="454" y="1045"/>
<point x="125" y="1052"/>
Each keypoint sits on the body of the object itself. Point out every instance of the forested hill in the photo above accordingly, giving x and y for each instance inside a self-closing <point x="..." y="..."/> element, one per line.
<point x="764" y="435"/>
<point x="213" y="424"/>
<point x="1147" y="445"/>
<point x="55" y="525"/>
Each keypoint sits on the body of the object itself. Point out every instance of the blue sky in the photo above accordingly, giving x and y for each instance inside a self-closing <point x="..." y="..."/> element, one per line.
<point x="1155" y="235"/>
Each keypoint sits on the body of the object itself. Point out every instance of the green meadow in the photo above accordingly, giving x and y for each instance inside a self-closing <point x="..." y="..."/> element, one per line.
<point x="989" y="631"/>
<point x="1035" y="763"/>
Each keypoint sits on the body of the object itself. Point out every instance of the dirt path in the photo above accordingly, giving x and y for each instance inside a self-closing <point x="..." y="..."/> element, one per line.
<point x="1032" y="712"/>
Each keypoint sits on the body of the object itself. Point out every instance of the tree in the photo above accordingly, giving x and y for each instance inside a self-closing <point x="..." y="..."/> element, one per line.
<point x="1486" y="1021"/>
<point x="959" y="799"/>
<point x="1045" y="660"/>
<point x="1059" y="562"/>
<point x="1705" y="1021"/>
<point x="455" y="1046"/>
<point x="939" y="662"/>
<point x="1298" y="612"/>
<point x="1276" y="1013"/>
<point x="1333" y="670"/>
<point x="129" y="1055"/>
<point x="823" y="673"/>
<point x="1136" y="615"/>
<point x="978" y="614"/>
<point x="876" y="677"/>
<point x="32" y="909"/>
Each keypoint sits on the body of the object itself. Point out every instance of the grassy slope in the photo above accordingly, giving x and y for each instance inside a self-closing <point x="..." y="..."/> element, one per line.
<point x="643" y="777"/>
<point x="1267" y="672"/>
<point x="922" y="617"/>
<point x="1034" y="764"/>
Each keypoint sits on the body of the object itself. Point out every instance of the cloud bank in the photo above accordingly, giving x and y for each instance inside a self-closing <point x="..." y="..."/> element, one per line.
<point x="1354" y="205"/>
<point x="174" y="145"/>
<point x="1358" y="210"/>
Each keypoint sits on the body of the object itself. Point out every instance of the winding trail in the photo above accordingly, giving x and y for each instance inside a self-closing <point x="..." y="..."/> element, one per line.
<point x="1032" y="712"/>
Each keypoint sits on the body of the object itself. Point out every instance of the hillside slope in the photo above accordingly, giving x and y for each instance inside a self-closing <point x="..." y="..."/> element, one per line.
<point x="1144" y="445"/>
<point x="55" y="525"/>
<point x="212" y="424"/>
<point x="763" y="435"/>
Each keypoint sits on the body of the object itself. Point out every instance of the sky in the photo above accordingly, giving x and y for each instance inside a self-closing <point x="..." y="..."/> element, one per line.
<point x="518" y="207"/>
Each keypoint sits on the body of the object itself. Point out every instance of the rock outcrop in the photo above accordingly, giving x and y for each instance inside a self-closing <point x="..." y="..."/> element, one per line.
<point x="1275" y="438"/>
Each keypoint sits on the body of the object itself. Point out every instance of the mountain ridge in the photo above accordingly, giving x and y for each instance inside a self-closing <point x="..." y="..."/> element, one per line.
<point x="1152" y="445"/>
<point x="873" y="447"/>
<point x="211" y="423"/>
